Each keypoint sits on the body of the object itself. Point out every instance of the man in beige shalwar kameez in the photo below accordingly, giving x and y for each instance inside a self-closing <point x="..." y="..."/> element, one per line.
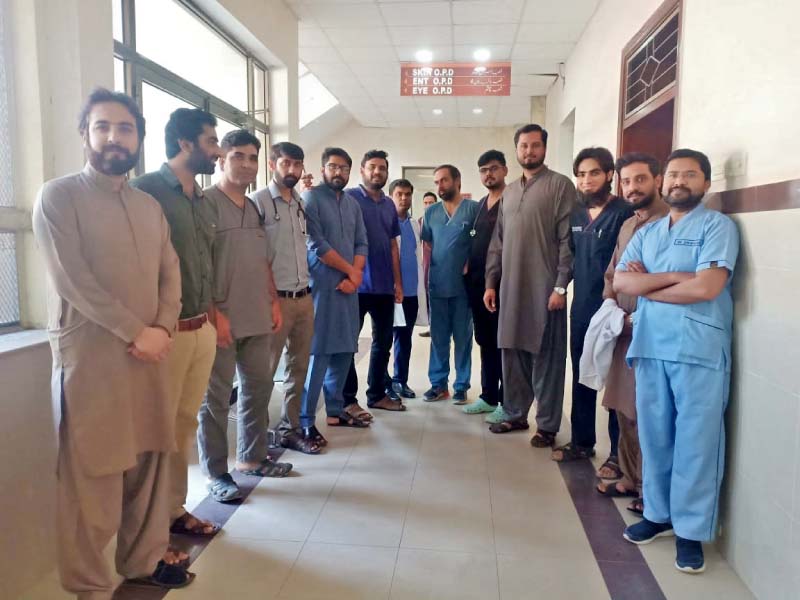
<point x="530" y="264"/>
<point x="640" y="180"/>
<point x="114" y="299"/>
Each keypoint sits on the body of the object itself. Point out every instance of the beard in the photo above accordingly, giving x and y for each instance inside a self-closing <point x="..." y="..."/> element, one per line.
<point x="642" y="202"/>
<point x="289" y="181"/>
<point x="199" y="164"/>
<point x="684" y="204"/>
<point x="337" y="182"/>
<point x="530" y="166"/>
<point x="597" y="198"/>
<point x="447" y="195"/>
<point x="106" y="164"/>
<point x="373" y="185"/>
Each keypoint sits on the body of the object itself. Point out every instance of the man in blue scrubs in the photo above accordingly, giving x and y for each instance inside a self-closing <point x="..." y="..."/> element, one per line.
<point x="337" y="250"/>
<point x="681" y="267"/>
<point x="447" y="229"/>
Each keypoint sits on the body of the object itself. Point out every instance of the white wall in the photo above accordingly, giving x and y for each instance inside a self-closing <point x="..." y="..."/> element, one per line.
<point x="739" y="86"/>
<point x="422" y="147"/>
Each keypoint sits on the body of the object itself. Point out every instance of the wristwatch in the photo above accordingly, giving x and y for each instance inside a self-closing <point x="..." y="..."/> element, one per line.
<point x="560" y="291"/>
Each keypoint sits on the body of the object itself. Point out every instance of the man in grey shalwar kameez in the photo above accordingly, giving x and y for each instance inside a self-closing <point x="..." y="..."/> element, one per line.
<point x="337" y="251"/>
<point x="530" y="263"/>
<point x="113" y="299"/>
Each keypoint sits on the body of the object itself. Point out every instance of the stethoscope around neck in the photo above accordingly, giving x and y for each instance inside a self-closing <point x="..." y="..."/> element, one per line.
<point x="301" y="214"/>
<point x="473" y="232"/>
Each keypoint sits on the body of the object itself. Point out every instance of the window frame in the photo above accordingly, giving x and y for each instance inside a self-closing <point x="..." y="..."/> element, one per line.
<point x="139" y="69"/>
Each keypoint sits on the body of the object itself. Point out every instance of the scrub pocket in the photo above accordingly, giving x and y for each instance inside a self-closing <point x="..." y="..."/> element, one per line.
<point x="704" y="340"/>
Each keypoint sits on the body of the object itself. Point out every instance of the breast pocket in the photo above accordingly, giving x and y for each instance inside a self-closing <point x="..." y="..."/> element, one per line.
<point x="704" y="340"/>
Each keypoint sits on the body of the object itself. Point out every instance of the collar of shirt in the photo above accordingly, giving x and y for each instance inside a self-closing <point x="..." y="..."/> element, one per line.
<point x="527" y="182"/>
<point x="172" y="180"/>
<point x="103" y="181"/>
<point x="275" y="192"/>
<point x="361" y="192"/>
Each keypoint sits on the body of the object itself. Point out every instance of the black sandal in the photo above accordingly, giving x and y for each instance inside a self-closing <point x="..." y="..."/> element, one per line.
<point x="508" y="426"/>
<point x="170" y="577"/>
<point x="181" y="527"/>
<point x="543" y="439"/>
<point x="612" y="462"/>
<point x="348" y="420"/>
<point x="637" y="506"/>
<point x="313" y="434"/>
<point x="294" y="441"/>
<point x="570" y="452"/>
<point x="612" y="491"/>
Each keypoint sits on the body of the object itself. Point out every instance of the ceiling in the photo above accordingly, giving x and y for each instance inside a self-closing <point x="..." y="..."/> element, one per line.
<point x="355" y="48"/>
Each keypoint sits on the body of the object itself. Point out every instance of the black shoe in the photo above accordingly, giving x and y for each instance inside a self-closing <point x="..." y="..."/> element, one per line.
<point x="404" y="390"/>
<point x="165" y="576"/>
<point x="392" y="394"/>
<point x="425" y="334"/>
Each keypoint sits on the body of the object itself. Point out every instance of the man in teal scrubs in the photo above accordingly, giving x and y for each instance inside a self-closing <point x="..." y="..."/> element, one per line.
<point x="681" y="267"/>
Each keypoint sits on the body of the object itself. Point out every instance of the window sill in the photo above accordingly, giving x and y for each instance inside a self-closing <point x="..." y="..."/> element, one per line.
<point x="22" y="340"/>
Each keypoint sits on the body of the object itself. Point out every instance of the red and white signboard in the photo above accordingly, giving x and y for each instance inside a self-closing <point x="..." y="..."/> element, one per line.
<point x="455" y="79"/>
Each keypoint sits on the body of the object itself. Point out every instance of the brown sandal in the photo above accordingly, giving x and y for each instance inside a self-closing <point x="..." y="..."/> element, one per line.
<point x="357" y="411"/>
<point x="181" y="526"/>
<point x="543" y="439"/>
<point x="508" y="426"/>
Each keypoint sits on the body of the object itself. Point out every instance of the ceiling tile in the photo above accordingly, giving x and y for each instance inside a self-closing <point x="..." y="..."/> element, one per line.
<point x="479" y="35"/>
<point x="369" y="55"/>
<point x="415" y="13"/>
<point x="550" y="32"/>
<point x="440" y="53"/>
<point x="557" y="52"/>
<point x="319" y="55"/>
<point x="470" y="12"/>
<point x="312" y="37"/>
<point x="329" y="70"/>
<point x="386" y="68"/>
<point x="423" y="35"/>
<point x="564" y="11"/>
<point x="344" y="37"/>
<point x="342" y="14"/>
<point x="499" y="52"/>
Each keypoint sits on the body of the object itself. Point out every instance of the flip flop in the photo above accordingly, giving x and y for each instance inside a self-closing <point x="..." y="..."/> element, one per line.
<point x="611" y="491"/>
<point x="268" y="468"/>
<point x="179" y="526"/>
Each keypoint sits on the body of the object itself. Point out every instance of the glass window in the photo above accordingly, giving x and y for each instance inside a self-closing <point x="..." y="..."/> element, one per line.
<point x="157" y="107"/>
<point x="119" y="75"/>
<point x="9" y="285"/>
<point x="116" y="15"/>
<point x="263" y="167"/>
<point x="315" y="99"/>
<point x="260" y="98"/>
<point x="223" y="127"/>
<point x="171" y="36"/>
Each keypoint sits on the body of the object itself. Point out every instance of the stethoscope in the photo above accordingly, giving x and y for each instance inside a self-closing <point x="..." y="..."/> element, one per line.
<point x="473" y="232"/>
<point x="301" y="214"/>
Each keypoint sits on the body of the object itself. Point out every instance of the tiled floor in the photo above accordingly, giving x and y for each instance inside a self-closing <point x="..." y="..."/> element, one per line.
<point x="425" y="504"/>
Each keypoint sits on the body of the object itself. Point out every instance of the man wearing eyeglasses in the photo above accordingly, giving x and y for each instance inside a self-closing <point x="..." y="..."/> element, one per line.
<point x="285" y="224"/>
<point x="337" y="253"/>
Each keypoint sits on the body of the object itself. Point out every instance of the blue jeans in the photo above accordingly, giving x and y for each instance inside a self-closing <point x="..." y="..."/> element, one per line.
<point x="326" y="372"/>
<point x="450" y="318"/>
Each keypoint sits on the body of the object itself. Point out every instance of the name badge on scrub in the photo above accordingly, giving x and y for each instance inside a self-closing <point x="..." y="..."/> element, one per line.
<point x="685" y="242"/>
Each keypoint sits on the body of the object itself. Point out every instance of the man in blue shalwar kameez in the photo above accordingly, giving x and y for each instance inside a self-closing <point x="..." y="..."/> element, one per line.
<point x="337" y="250"/>
<point x="681" y="267"/>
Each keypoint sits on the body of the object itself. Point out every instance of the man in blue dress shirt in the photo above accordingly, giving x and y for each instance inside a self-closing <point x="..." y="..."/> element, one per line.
<point x="681" y="267"/>
<point x="337" y="251"/>
<point x="448" y="228"/>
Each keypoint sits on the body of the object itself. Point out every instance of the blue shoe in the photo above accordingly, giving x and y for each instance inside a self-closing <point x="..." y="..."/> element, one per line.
<point x="498" y="416"/>
<point x="460" y="397"/>
<point x="435" y="393"/>
<point x="646" y="531"/>
<point x="689" y="557"/>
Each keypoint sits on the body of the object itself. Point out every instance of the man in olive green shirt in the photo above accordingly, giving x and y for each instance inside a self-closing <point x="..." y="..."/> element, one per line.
<point x="192" y="149"/>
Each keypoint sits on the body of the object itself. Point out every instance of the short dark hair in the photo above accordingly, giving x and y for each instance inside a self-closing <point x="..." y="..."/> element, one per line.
<point x="454" y="172"/>
<point x="402" y="183"/>
<point x="100" y="95"/>
<point x="530" y="128"/>
<point x="489" y="156"/>
<point x="695" y="155"/>
<point x="602" y="155"/>
<point x="333" y="151"/>
<point x="239" y="137"/>
<point x="432" y="195"/>
<point x="287" y="149"/>
<point x="185" y="124"/>
<point x="375" y="154"/>
<point x="630" y="158"/>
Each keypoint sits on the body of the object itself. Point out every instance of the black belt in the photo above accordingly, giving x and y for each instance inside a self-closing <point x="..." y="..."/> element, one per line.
<point x="297" y="294"/>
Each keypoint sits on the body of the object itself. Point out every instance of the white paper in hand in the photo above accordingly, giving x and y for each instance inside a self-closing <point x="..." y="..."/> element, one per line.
<point x="399" y="316"/>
